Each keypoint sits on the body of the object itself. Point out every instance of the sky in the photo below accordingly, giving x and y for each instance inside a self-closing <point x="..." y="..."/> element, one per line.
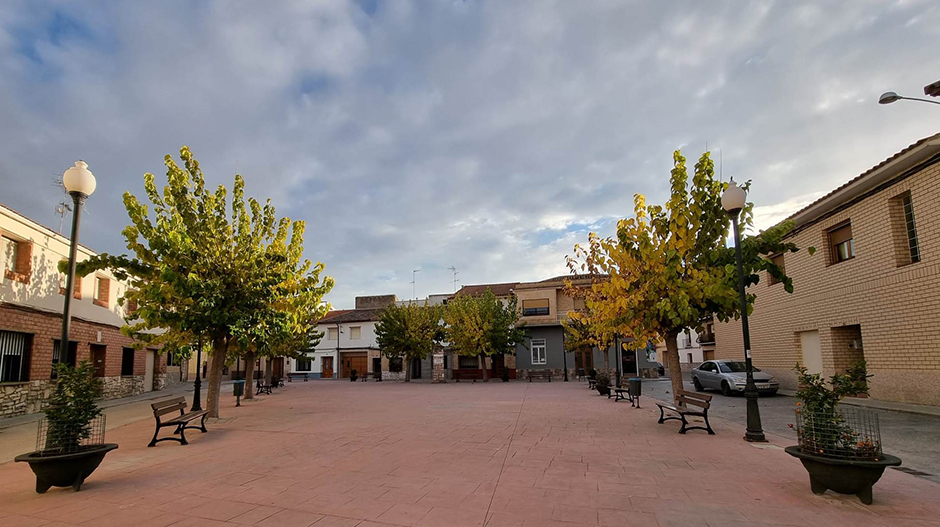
<point x="489" y="136"/>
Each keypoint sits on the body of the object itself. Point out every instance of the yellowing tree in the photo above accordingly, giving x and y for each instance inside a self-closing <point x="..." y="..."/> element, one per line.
<point x="669" y="265"/>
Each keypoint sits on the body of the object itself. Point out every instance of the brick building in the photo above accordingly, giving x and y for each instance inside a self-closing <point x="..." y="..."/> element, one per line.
<point x="870" y="292"/>
<point x="31" y="297"/>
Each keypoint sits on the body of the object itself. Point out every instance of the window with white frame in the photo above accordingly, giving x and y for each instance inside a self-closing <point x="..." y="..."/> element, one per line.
<point x="538" y="351"/>
<point x="304" y="364"/>
<point x="355" y="332"/>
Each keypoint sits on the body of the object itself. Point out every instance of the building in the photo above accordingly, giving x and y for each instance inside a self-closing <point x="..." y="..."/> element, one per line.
<point x="870" y="292"/>
<point x="690" y="344"/>
<point x="31" y="298"/>
<point x="348" y="342"/>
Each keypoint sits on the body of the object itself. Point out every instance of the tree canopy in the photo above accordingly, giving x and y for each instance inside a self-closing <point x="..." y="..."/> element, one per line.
<point x="409" y="332"/>
<point x="482" y="326"/>
<point x="670" y="266"/>
<point x="201" y="267"/>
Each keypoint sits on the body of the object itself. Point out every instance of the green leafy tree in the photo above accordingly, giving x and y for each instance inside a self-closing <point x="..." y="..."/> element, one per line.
<point x="409" y="332"/>
<point x="229" y="273"/>
<point x="670" y="266"/>
<point x="482" y="326"/>
<point x="72" y="407"/>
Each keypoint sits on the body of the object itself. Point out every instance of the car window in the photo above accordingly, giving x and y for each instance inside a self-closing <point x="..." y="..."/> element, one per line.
<point x="733" y="367"/>
<point x="707" y="367"/>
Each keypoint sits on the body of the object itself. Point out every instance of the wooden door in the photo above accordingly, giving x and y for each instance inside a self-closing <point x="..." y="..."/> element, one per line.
<point x="354" y="361"/>
<point x="326" y="368"/>
<point x="98" y="355"/>
<point x="148" y="372"/>
<point x="278" y="367"/>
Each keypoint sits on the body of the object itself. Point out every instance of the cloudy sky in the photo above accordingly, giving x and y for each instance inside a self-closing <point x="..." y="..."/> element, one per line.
<point x="486" y="135"/>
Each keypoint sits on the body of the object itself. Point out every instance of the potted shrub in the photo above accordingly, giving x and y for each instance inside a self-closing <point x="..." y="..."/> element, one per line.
<point x="353" y="375"/>
<point x="839" y="447"/>
<point x="70" y="444"/>
<point x="603" y="384"/>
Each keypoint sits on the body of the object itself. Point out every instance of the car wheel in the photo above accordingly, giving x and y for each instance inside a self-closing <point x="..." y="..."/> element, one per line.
<point x="697" y="385"/>
<point x="725" y="389"/>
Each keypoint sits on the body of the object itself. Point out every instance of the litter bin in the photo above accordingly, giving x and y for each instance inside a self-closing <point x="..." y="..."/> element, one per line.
<point x="238" y="390"/>
<point x="636" y="387"/>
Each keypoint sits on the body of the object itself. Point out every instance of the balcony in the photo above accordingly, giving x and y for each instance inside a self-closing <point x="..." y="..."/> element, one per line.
<point x="706" y="338"/>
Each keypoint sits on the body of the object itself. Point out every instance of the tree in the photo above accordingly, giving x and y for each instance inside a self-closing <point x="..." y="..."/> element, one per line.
<point x="585" y="330"/>
<point x="670" y="266"/>
<point x="409" y="332"/>
<point x="232" y="276"/>
<point x="482" y="326"/>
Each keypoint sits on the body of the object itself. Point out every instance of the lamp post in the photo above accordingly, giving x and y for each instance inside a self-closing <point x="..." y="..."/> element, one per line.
<point x="732" y="200"/>
<point x="889" y="97"/>
<point x="80" y="183"/>
<point x="197" y="385"/>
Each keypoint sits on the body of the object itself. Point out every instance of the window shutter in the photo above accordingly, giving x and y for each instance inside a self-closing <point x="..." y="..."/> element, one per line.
<point x="842" y="234"/>
<point x="536" y="303"/>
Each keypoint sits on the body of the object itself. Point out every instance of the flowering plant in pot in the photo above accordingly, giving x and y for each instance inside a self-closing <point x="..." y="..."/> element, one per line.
<point x="839" y="447"/>
<point x="70" y="443"/>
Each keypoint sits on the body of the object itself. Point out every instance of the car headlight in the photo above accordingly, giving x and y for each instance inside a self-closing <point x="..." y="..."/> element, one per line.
<point x="772" y="380"/>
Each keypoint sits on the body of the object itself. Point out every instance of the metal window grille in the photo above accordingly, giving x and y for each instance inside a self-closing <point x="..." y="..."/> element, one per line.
<point x="62" y="438"/>
<point x="911" y="228"/>
<point x="14" y="356"/>
<point x="846" y="433"/>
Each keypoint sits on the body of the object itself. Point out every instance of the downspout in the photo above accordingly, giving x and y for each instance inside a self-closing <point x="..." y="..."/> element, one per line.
<point x="339" y="362"/>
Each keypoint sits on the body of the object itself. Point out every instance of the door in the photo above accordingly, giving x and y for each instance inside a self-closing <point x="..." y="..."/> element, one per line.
<point x="98" y="355"/>
<point x="628" y="362"/>
<point x="354" y="361"/>
<point x="326" y="368"/>
<point x="415" y="369"/>
<point x="278" y="368"/>
<point x="706" y="375"/>
<point x="812" y="355"/>
<point x="148" y="372"/>
<point x="584" y="359"/>
<point x="377" y="366"/>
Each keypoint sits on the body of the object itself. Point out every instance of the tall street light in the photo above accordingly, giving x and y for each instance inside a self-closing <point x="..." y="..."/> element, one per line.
<point x="80" y="183"/>
<point x="197" y="385"/>
<point x="889" y="97"/>
<point x="732" y="200"/>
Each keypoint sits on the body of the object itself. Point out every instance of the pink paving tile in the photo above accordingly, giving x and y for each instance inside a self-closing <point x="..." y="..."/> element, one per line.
<point x="336" y="521"/>
<point x="290" y="518"/>
<point x="255" y="515"/>
<point x="452" y="517"/>
<point x="585" y="515"/>
<point x="404" y="514"/>
<point x="221" y="510"/>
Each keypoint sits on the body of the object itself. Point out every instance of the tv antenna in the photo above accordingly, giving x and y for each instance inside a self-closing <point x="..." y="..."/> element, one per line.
<point x="63" y="207"/>
<point x="413" y="280"/>
<point x="454" y="270"/>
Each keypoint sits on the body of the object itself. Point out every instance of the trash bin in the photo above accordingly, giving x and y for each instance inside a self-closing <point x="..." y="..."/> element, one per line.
<point x="238" y="388"/>
<point x="636" y="387"/>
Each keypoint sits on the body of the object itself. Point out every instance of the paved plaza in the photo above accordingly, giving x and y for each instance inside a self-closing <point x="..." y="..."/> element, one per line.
<point x="333" y="453"/>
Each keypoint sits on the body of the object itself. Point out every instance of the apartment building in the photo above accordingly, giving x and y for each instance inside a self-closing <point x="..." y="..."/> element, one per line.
<point x="870" y="292"/>
<point x="31" y="301"/>
<point x="691" y="345"/>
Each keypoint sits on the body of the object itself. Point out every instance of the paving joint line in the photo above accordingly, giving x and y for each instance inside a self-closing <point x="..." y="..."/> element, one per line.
<point x="515" y="425"/>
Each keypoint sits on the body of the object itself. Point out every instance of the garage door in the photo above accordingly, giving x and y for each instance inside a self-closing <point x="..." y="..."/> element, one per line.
<point x="354" y="361"/>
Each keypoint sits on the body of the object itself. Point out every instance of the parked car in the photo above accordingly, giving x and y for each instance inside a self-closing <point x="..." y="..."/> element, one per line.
<point x="729" y="376"/>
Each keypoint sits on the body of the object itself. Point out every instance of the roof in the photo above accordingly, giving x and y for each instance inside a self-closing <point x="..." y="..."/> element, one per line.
<point x="503" y="289"/>
<point x="333" y="313"/>
<point x="352" y="315"/>
<point x="924" y="151"/>
<point x="64" y="239"/>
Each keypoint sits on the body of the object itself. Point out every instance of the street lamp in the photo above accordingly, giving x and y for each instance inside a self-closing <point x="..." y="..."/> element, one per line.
<point x="197" y="385"/>
<point x="732" y="200"/>
<point x="80" y="183"/>
<point x="889" y="97"/>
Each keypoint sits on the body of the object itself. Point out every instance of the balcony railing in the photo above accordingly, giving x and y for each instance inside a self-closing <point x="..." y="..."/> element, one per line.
<point x="706" y="338"/>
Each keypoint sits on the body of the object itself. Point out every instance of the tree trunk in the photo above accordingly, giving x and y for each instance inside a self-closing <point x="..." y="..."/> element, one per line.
<point x="268" y="370"/>
<point x="249" y="375"/>
<point x="408" y="364"/>
<point x="216" y="364"/>
<point x="486" y="373"/>
<point x="671" y="360"/>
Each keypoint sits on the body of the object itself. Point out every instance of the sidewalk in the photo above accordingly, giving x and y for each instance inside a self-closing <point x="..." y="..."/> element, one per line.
<point x="512" y="454"/>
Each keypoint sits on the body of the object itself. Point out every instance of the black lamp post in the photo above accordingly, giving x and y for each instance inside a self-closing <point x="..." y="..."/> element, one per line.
<point x="197" y="395"/>
<point x="80" y="183"/>
<point x="733" y="200"/>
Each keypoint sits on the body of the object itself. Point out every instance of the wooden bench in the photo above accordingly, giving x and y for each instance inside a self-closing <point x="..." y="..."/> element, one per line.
<point x="377" y="375"/>
<point x="592" y="383"/>
<point x="290" y="376"/>
<point x="683" y="401"/>
<point x="181" y="421"/>
<point x="466" y="374"/>
<point x="540" y="374"/>
<point x="261" y="387"/>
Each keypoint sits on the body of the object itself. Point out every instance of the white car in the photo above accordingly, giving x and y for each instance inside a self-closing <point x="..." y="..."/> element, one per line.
<point x="730" y="377"/>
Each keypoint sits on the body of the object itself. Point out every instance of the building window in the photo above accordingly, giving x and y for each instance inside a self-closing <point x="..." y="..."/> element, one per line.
<point x="102" y="291"/>
<point x="172" y="359"/>
<point x="778" y="261"/>
<point x="355" y="333"/>
<point x="64" y="358"/>
<point x="127" y="361"/>
<point x="579" y="304"/>
<point x="17" y="259"/>
<point x="536" y="307"/>
<point x="538" y="351"/>
<point x="331" y="334"/>
<point x="395" y="365"/>
<point x="304" y="364"/>
<point x="14" y="356"/>
<point x="842" y="246"/>
<point x="910" y="227"/>
<point x="468" y="362"/>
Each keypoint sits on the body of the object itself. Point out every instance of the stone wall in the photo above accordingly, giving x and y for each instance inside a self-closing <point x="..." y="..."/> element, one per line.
<point x="393" y="375"/>
<point x="23" y="398"/>
<point x="159" y="381"/>
<point x="115" y="387"/>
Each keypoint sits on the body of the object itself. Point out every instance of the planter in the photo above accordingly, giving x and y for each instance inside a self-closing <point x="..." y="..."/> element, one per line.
<point x="65" y="470"/>
<point x="604" y="390"/>
<point x="843" y="475"/>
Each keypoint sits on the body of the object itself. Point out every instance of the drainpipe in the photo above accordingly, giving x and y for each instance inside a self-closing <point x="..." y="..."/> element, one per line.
<point x="339" y="362"/>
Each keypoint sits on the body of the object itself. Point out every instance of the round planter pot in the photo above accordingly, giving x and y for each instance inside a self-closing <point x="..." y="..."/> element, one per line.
<point x="842" y="475"/>
<point x="65" y="470"/>
<point x="603" y="391"/>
